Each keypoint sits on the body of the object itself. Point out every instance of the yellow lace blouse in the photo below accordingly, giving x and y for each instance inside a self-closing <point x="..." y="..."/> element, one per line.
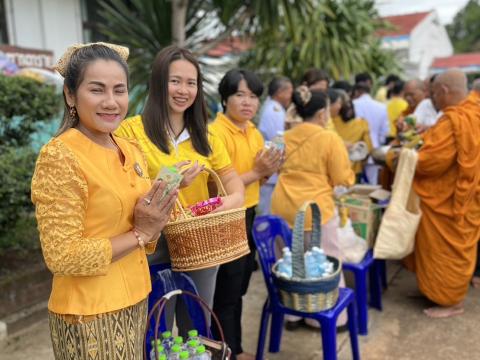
<point x="84" y="196"/>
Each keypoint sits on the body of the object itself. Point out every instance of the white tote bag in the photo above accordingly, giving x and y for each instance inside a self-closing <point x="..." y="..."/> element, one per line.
<point x="396" y="236"/>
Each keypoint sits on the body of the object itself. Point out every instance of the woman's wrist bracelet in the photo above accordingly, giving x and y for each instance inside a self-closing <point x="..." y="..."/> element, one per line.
<point x="140" y="241"/>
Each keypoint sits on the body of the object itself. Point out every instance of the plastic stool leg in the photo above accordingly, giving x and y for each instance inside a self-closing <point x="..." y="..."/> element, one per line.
<point x="276" y="329"/>
<point x="352" y="328"/>
<point x="375" y="286"/>
<point x="262" y="334"/>
<point x="361" y="300"/>
<point x="383" y="272"/>
<point x="329" y="338"/>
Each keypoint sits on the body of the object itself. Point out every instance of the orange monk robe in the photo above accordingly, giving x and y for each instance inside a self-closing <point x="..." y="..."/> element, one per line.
<point x="448" y="183"/>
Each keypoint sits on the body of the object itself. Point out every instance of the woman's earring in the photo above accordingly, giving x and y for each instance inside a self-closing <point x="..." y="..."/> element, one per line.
<point x="72" y="112"/>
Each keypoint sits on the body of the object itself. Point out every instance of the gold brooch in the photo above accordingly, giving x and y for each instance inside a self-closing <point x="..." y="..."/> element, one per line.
<point x="138" y="169"/>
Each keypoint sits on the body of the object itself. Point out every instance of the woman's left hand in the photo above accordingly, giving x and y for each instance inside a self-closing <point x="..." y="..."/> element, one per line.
<point x="190" y="173"/>
<point x="229" y="202"/>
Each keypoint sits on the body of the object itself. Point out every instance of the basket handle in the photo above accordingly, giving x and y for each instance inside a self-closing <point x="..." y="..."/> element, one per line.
<point x="159" y="306"/>
<point x="298" y="260"/>
<point x="221" y="192"/>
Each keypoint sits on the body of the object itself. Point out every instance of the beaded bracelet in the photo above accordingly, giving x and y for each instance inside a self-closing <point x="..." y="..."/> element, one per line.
<point x="141" y="243"/>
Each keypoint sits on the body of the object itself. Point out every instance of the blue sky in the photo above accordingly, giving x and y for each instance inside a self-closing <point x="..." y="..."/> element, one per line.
<point x="446" y="9"/>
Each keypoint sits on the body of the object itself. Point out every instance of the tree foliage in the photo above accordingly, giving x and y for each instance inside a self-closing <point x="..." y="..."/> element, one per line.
<point x="23" y="103"/>
<point x="464" y="30"/>
<point x="337" y="36"/>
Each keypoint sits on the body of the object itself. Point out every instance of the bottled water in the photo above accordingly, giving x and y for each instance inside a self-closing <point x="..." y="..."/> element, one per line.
<point x="285" y="263"/>
<point x="312" y="268"/>
<point x="192" y="346"/>
<point x="160" y="349"/>
<point x="192" y="335"/>
<point x="202" y="354"/>
<point x="184" y="355"/>
<point x="167" y="341"/>
<point x="174" y="353"/>
<point x="278" y="141"/>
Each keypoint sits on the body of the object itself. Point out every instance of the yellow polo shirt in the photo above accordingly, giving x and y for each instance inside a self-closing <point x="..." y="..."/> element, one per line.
<point x="242" y="146"/>
<point x="395" y="108"/>
<point x="218" y="160"/>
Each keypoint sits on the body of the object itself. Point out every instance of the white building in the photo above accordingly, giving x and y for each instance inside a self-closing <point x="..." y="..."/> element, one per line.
<point x="46" y="25"/>
<point x="417" y="40"/>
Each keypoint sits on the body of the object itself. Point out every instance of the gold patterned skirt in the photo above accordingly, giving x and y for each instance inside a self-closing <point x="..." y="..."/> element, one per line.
<point x="110" y="336"/>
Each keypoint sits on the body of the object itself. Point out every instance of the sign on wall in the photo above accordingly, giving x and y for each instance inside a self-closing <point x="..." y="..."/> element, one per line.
<point x="28" y="58"/>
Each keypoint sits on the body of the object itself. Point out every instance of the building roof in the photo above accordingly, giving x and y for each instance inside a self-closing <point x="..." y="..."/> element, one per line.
<point x="404" y="24"/>
<point x="233" y="45"/>
<point x="458" y="60"/>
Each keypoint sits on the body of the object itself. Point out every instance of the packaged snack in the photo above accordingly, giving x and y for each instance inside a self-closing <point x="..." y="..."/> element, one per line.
<point x="171" y="176"/>
<point x="205" y="207"/>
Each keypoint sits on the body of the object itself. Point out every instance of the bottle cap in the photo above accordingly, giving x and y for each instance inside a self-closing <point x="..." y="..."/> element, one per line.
<point x="160" y="348"/>
<point x="166" y="334"/>
<point x="201" y="349"/>
<point x="162" y="357"/>
<point x="178" y="340"/>
<point x="176" y="348"/>
<point x="184" y="355"/>
<point x="193" y="333"/>
<point x="193" y="343"/>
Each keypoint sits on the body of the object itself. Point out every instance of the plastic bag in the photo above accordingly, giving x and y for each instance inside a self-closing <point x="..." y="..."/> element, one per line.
<point x="352" y="246"/>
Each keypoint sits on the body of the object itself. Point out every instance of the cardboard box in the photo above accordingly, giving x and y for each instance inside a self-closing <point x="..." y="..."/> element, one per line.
<point x="364" y="213"/>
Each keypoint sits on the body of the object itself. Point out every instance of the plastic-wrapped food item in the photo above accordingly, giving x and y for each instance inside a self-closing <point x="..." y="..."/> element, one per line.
<point x="205" y="207"/>
<point x="171" y="176"/>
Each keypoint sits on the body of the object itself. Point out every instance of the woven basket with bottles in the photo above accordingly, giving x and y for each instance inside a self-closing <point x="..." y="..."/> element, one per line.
<point x="299" y="292"/>
<point x="205" y="241"/>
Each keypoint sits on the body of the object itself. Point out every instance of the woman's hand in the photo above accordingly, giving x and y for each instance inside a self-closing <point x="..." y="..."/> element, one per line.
<point x="229" y="202"/>
<point x="152" y="211"/>
<point x="268" y="162"/>
<point x="190" y="173"/>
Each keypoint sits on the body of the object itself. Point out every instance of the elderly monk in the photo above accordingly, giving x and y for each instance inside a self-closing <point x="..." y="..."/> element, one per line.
<point x="447" y="181"/>
<point x="414" y="92"/>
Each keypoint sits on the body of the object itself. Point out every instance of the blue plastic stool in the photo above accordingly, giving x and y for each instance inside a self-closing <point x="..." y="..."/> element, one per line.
<point x="360" y="271"/>
<point x="266" y="230"/>
<point x="165" y="280"/>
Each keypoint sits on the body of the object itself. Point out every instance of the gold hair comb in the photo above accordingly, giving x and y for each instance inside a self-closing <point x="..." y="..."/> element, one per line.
<point x="62" y="63"/>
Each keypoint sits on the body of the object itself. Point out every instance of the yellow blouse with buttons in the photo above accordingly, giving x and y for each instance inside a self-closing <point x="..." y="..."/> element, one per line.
<point x="218" y="160"/>
<point x="84" y="196"/>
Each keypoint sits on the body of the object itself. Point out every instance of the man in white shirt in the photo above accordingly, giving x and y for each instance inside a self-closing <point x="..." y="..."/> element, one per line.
<point x="375" y="113"/>
<point x="272" y="123"/>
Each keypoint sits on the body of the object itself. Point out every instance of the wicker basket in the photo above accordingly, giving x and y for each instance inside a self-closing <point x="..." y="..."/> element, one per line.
<point x="204" y="241"/>
<point x="298" y="293"/>
<point x="218" y="348"/>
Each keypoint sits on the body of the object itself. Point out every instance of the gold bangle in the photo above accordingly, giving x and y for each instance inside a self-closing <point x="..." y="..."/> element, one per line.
<point x="141" y="243"/>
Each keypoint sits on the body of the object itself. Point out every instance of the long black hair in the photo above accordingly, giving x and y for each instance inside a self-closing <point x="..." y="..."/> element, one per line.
<point x="155" y="117"/>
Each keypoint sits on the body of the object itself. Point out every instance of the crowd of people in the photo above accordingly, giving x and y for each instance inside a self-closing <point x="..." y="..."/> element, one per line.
<point x="100" y="210"/>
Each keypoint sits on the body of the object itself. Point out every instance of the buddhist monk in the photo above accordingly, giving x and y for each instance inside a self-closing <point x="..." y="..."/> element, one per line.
<point x="476" y="275"/>
<point x="414" y="92"/>
<point x="447" y="181"/>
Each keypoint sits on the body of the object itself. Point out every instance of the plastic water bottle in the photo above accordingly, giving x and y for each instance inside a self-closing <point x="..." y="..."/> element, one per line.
<point x="178" y="340"/>
<point x="159" y="346"/>
<point x="202" y="354"/>
<point x="167" y="341"/>
<point x="192" y="335"/>
<point x="278" y="141"/>
<point x="184" y="355"/>
<point x="312" y="268"/>
<point x="192" y="346"/>
<point x="174" y="353"/>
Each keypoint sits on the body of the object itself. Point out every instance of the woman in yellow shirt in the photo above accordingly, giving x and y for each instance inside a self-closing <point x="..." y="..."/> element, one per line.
<point x="240" y="92"/>
<point x="173" y="130"/>
<point x="97" y="213"/>
<point x="350" y="128"/>
<point x="316" y="160"/>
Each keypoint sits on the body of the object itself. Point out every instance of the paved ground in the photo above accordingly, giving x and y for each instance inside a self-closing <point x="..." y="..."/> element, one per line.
<point x="400" y="332"/>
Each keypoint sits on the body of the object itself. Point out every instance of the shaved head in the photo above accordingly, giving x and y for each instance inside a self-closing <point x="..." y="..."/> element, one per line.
<point x="476" y="85"/>
<point x="414" y="92"/>
<point x="449" y="88"/>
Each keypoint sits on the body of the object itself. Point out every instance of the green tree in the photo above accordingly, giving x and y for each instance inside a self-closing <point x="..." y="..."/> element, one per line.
<point x="464" y="30"/>
<point x="24" y="103"/>
<point x="337" y="36"/>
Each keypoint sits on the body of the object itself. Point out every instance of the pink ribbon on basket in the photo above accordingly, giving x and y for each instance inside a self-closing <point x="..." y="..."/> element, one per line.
<point x="205" y="207"/>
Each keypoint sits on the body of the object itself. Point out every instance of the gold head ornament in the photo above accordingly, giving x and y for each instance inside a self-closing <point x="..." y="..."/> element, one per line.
<point x="62" y="63"/>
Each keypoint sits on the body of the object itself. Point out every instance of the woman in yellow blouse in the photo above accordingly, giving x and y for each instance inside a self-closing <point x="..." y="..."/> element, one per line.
<point x="97" y="213"/>
<point x="173" y="130"/>
<point x="240" y="92"/>
<point x="316" y="160"/>
<point x="350" y="128"/>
